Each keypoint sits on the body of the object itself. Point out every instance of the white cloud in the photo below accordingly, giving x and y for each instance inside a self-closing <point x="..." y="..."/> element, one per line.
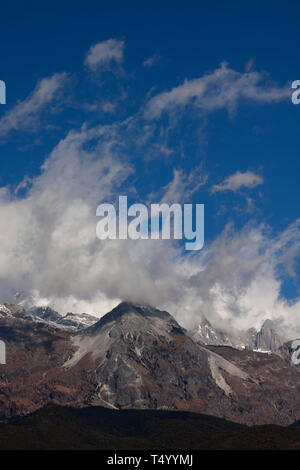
<point x="181" y="187"/>
<point x="238" y="180"/>
<point x="222" y="88"/>
<point x="151" y="61"/>
<point x="108" y="107"/>
<point x="102" y="54"/>
<point x="49" y="246"/>
<point x="26" y="114"/>
<point x="236" y="280"/>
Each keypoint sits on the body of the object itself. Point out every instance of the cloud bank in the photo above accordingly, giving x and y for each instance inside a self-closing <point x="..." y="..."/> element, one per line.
<point x="49" y="247"/>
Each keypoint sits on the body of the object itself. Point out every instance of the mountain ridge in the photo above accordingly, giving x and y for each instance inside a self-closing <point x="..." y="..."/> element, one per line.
<point x="140" y="357"/>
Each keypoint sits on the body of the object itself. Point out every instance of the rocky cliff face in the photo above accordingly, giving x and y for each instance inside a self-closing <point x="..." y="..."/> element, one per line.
<point x="140" y="357"/>
<point x="268" y="339"/>
<point x="205" y="333"/>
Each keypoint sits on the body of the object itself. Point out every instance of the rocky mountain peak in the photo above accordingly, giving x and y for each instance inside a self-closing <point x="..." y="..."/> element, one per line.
<point x="45" y="313"/>
<point x="269" y="338"/>
<point x="205" y="333"/>
<point x="126" y="309"/>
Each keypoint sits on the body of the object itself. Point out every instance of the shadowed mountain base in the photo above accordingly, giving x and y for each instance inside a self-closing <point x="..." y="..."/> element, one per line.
<point x="98" y="428"/>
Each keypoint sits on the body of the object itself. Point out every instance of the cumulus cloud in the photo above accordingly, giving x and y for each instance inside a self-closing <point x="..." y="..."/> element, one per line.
<point x="222" y="88"/>
<point x="102" y="54"/>
<point x="236" y="280"/>
<point x="49" y="247"/>
<point x="26" y="114"/>
<point x="51" y="230"/>
<point x="238" y="180"/>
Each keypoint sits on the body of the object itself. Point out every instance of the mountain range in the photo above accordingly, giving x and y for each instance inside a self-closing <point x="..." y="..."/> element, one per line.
<point x="139" y="357"/>
<point x="268" y="339"/>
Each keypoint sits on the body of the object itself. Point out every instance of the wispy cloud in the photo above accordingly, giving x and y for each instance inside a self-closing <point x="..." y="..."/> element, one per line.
<point x="182" y="186"/>
<point x="222" y="88"/>
<point x="108" y="107"/>
<point x="102" y="54"/>
<point x="238" y="180"/>
<point x="151" y="60"/>
<point x="49" y="246"/>
<point x="26" y="114"/>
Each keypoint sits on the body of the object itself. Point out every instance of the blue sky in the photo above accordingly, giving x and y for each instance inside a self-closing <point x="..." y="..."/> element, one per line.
<point x="196" y="104"/>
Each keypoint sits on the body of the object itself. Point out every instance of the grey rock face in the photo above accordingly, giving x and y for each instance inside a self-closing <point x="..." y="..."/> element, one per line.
<point x="4" y="310"/>
<point x="290" y="352"/>
<point x="78" y="321"/>
<point x="205" y="333"/>
<point x="250" y="338"/>
<point x="269" y="338"/>
<point x="47" y="315"/>
<point x="140" y="357"/>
